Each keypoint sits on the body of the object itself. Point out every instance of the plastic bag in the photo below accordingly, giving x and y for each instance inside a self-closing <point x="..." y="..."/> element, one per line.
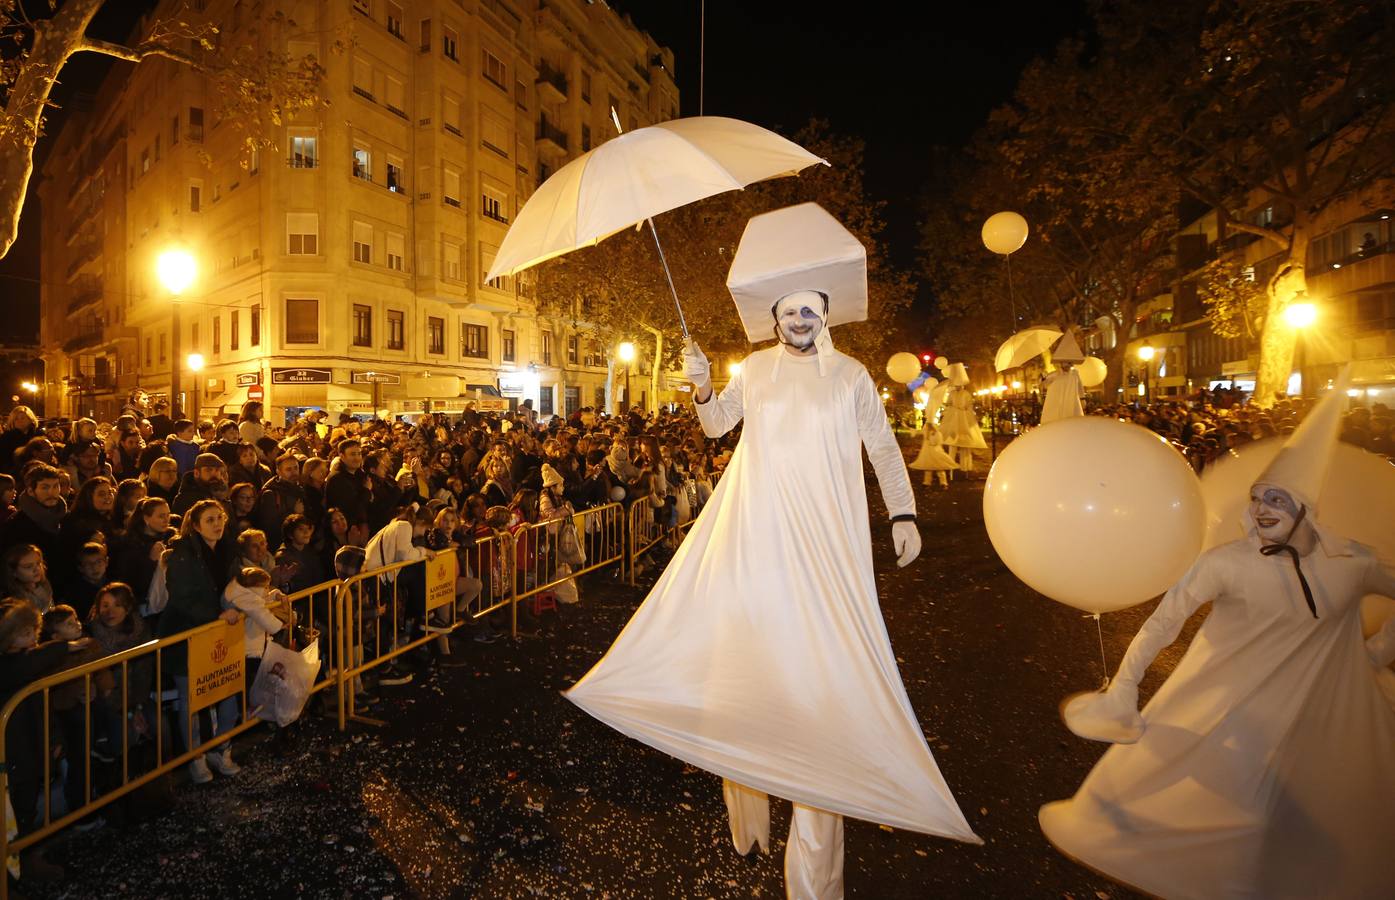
<point x="159" y="593"/>
<point x="569" y="549"/>
<point x="566" y="591"/>
<point x="284" y="681"/>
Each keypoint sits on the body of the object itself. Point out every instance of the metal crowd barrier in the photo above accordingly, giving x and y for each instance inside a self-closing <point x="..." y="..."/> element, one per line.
<point x="361" y="624"/>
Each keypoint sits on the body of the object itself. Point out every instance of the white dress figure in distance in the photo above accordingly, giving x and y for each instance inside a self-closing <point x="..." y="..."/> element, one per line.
<point x="959" y="421"/>
<point x="761" y="655"/>
<point x="1063" y="387"/>
<point x="933" y="460"/>
<point x="1264" y="767"/>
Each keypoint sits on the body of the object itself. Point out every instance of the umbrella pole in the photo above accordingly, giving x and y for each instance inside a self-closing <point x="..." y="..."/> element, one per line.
<point x="682" y="322"/>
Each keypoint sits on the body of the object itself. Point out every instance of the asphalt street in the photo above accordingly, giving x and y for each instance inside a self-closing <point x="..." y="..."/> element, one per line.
<point x="486" y="782"/>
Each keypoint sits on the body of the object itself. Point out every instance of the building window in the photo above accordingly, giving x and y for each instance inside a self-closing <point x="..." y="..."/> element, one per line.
<point x="585" y="138"/>
<point x="302" y="320"/>
<point x="474" y="341"/>
<point x="174" y="131"/>
<point x="395" y="180"/>
<point x="487" y="254"/>
<point x="573" y="349"/>
<point x="450" y="187"/>
<point x="396" y="336"/>
<point x="303" y="234"/>
<point x="435" y="335"/>
<point x="450" y="115"/>
<point x="425" y="35"/>
<point x="233" y="335"/>
<point x="450" y="43"/>
<point x="450" y="260"/>
<point x="494" y="133"/>
<point x="363" y="325"/>
<point x="545" y="395"/>
<point x="394" y="19"/>
<point x="305" y="151"/>
<point x="494" y="70"/>
<point x="363" y="78"/>
<point x="363" y="242"/>
<point x="363" y="6"/>
<point x="149" y="354"/>
<point x="508" y="344"/>
<point x="572" y="400"/>
<point x="547" y="348"/>
<point x="363" y="164"/>
<point x="520" y="93"/>
<point x="254" y="161"/>
<point x="217" y="334"/>
<point x="585" y="87"/>
<point x="256" y="325"/>
<point x="396" y="98"/>
<point x="195" y="196"/>
<point x="493" y="204"/>
<point x="162" y="348"/>
<point x="194" y="335"/>
<point x="612" y="103"/>
<point x="145" y="160"/>
<point x="396" y="251"/>
<point x="196" y="124"/>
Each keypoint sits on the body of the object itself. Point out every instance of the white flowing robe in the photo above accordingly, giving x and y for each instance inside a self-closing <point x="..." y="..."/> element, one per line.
<point x="761" y="655"/>
<point x="1062" y="401"/>
<point x="959" y="423"/>
<point x="1266" y="769"/>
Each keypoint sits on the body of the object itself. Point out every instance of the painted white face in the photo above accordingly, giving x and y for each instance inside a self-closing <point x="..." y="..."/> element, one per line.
<point x="1274" y="512"/>
<point x="799" y="316"/>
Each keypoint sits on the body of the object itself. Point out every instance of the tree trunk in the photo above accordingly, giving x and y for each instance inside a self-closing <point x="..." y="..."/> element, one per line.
<point x="55" y="40"/>
<point x="1114" y="377"/>
<point x="1278" y="338"/>
<point x="610" y="387"/>
<point x="656" y="367"/>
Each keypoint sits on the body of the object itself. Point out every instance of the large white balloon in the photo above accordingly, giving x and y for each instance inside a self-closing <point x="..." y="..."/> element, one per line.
<point x="1005" y="232"/>
<point x="903" y="367"/>
<point x="1092" y="371"/>
<point x="1094" y="513"/>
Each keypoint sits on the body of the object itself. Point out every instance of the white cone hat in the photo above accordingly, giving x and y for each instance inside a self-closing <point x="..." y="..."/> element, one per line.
<point x="1068" y="350"/>
<point x="1301" y="466"/>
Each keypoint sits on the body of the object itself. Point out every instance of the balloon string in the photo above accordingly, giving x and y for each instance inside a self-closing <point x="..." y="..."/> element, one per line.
<point x="1012" y="300"/>
<point x="1104" y="663"/>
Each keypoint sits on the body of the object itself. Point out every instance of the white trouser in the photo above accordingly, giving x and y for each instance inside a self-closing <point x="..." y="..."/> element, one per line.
<point x="814" y="852"/>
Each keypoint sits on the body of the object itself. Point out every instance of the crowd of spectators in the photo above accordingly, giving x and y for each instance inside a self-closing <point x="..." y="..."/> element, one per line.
<point x="113" y="533"/>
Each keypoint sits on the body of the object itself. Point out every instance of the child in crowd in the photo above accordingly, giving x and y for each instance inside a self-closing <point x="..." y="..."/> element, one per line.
<point x="26" y="576"/>
<point x="87" y="579"/>
<point x="251" y="594"/>
<point x="183" y="446"/>
<point x="84" y="718"/>
<point x="8" y="492"/>
<point x="116" y="625"/>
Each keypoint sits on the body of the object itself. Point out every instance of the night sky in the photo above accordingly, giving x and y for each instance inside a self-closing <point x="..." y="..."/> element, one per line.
<point x="904" y="77"/>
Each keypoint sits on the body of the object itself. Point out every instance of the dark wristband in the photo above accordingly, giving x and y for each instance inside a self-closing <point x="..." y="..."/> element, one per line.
<point x="907" y="517"/>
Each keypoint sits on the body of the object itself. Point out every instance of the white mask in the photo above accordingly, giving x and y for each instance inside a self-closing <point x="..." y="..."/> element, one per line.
<point x="800" y="318"/>
<point x="1274" y="512"/>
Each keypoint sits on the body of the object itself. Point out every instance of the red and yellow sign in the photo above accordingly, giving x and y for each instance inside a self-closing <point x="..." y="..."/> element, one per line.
<point x="217" y="664"/>
<point x="440" y="580"/>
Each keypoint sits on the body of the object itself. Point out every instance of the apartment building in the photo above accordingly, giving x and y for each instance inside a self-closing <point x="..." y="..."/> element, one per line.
<point x="344" y="267"/>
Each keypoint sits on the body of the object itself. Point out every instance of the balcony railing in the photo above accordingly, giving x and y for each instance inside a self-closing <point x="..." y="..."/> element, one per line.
<point x="551" y="133"/>
<point x="551" y="83"/>
<point x="1361" y="253"/>
<point x="87" y="290"/>
<point x="302" y="162"/>
<point x="84" y="255"/>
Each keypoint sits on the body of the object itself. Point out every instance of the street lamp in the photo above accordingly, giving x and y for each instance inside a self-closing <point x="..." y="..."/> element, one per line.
<point x="1145" y="355"/>
<point x="733" y="369"/>
<point x="626" y="354"/>
<point x="1299" y="316"/>
<point x="195" y="362"/>
<point x="176" y="270"/>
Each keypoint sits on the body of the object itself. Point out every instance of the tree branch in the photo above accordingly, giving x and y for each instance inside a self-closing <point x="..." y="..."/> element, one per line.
<point x="136" y="54"/>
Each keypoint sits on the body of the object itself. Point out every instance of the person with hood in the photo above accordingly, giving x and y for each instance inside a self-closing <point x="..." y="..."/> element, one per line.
<point x="1063" y="388"/>
<point x="1262" y="767"/>
<point x="959" y="421"/>
<point x="761" y="654"/>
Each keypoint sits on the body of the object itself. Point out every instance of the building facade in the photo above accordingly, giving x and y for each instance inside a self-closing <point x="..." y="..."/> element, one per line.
<point x="344" y="267"/>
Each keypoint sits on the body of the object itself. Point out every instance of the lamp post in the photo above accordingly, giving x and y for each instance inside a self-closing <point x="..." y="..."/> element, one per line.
<point x="1299" y="316"/>
<point x="176" y="270"/>
<point x="626" y="354"/>
<point x="1145" y="355"/>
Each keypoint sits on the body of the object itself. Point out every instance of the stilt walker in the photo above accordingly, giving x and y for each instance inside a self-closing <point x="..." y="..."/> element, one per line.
<point x="761" y="654"/>
<point x="933" y="460"/>
<point x="1063" y="387"/>
<point x="959" y="423"/>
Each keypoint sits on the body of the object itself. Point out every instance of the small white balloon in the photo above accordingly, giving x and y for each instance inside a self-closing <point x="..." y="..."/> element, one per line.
<point x="942" y="363"/>
<point x="903" y="368"/>
<point x="1094" y="513"/>
<point x="1005" y="232"/>
<point x="1092" y="371"/>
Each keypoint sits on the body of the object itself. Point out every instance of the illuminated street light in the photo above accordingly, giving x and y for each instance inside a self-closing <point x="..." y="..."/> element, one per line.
<point x="176" y="270"/>
<point x="29" y="387"/>
<point x="733" y="369"/>
<point x="1017" y="385"/>
<point x="1146" y="352"/>
<point x="195" y="362"/>
<point x="625" y="352"/>
<point x="1300" y="315"/>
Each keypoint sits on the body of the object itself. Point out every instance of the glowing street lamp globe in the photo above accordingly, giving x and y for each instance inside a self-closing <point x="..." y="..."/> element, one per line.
<point x="734" y="369"/>
<point x="1146" y="352"/>
<point x="176" y="270"/>
<point x="1300" y="315"/>
<point x="625" y="352"/>
<point x="195" y="362"/>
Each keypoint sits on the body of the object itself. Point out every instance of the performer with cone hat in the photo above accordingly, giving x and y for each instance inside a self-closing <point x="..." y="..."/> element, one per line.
<point x="1063" y="388"/>
<point x="1263" y="767"/>
<point x="761" y="654"/>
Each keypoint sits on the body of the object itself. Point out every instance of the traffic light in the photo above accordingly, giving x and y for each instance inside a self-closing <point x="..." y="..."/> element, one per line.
<point x="927" y="358"/>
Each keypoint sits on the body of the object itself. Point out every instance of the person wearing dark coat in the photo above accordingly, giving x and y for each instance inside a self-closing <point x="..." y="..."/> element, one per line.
<point x="280" y="497"/>
<point x="198" y="568"/>
<point x="21" y="427"/>
<point x="225" y="447"/>
<point x="203" y="483"/>
<point x="146" y="537"/>
<point x="39" y="512"/>
<point x="350" y="488"/>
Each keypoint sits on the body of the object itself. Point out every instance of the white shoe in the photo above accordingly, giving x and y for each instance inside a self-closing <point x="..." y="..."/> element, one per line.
<point x="198" y="771"/>
<point x="222" y="763"/>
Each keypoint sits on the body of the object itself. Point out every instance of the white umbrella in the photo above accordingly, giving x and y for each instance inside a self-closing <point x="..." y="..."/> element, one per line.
<point x="635" y="176"/>
<point x="1024" y="345"/>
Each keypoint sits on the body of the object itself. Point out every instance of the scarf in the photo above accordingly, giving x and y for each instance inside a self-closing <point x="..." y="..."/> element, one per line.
<point x="1286" y="547"/>
<point x="46" y="517"/>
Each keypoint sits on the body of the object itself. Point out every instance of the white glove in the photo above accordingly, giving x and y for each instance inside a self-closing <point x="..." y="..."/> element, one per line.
<point x="1110" y="716"/>
<point x="905" y="537"/>
<point x="696" y="368"/>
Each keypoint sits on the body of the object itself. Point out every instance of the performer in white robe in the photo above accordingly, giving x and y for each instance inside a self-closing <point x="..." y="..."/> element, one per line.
<point x="933" y="460"/>
<point x="761" y="654"/>
<point x="959" y="422"/>
<point x="1063" y="387"/>
<point x="1264" y="767"/>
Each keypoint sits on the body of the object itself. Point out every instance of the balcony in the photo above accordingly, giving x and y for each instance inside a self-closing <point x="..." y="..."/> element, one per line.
<point x="1366" y="268"/>
<point x="86" y="291"/>
<point x="89" y="334"/>
<point x="83" y="255"/>
<point x="551" y="84"/>
<point x="642" y="72"/>
<point x="301" y="161"/>
<point x="550" y="137"/>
